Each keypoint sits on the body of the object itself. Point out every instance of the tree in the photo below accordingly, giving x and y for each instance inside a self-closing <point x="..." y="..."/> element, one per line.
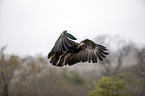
<point x="111" y="86"/>
<point x="119" y="50"/>
<point x="141" y="61"/>
<point x="8" y="65"/>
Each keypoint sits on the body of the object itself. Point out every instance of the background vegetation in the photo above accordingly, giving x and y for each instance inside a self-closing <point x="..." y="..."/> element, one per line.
<point x="122" y="73"/>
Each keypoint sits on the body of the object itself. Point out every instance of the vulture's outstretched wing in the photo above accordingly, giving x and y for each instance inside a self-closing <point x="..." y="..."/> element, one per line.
<point x="92" y="53"/>
<point x="63" y="43"/>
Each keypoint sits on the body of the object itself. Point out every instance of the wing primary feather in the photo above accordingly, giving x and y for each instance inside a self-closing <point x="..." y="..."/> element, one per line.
<point x="66" y="61"/>
<point x="71" y="36"/>
<point x="59" y="47"/>
<point x="85" y="56"/>
<point x="95" y="56"/>
<point x="49" y="55"/>
<point x="55" y="61"/>
<point x="64" y="45"/>
<point x="51" y="60"/>
<point x="71" y="61"/>
<point x="56" y="45"/>
<point x="106" y="53"/>
<point x="68" y="43"/>
<point x="77" y="58"/>
<point x="80" y="55"/>
<point x="99" y="57"/>
<point x="101" y="54"/>
<point x="90" y="56"/>
<point x="101" y="47"/>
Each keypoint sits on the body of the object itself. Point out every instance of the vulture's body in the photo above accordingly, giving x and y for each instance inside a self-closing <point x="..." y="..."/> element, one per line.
<point x="66" y="51"/>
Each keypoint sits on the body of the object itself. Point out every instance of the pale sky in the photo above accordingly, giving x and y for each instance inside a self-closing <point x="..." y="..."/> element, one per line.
<point x="29" y="27"/>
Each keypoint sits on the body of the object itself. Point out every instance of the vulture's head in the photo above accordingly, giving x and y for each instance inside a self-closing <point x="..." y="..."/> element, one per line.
<point x="83" y="46"/>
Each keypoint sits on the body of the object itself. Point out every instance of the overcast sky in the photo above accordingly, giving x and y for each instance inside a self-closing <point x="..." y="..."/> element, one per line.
<point x="29" y="27"/>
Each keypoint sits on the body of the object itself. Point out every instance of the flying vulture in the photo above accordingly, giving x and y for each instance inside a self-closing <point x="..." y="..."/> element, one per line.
<point x="68" y="52"/>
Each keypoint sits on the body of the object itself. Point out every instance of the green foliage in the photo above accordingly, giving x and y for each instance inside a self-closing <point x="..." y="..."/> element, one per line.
<point x="111" y="86"/>
<point x="33" y="76"/>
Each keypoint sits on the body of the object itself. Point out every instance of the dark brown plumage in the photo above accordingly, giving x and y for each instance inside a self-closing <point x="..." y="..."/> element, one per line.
<point x="66" y="51"/>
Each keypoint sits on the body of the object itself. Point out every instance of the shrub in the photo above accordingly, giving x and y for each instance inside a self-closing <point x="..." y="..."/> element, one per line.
<point x="111" y="86"/>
